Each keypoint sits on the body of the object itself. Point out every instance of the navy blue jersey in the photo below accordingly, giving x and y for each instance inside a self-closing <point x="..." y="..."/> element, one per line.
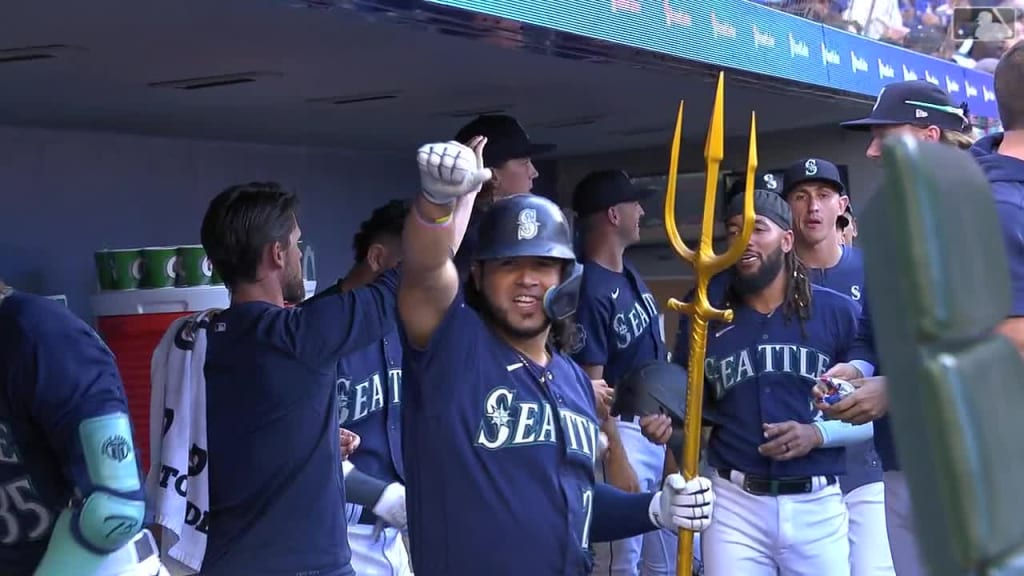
<point x="847" y="277"/>
<point x="761" y="369"/>
<point x="618" y="323"/>
<point x="369" y="404"/>
<point x="500" y="465"/>
<point x="55" y="372"/>
<point x="276" y="495"/>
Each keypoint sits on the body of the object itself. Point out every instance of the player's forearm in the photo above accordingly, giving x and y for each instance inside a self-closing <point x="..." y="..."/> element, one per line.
<point x="429" y="280"/>
<point x="835" y="433"/>
<point x="428" y="239"/>
<point x="619" y="515"/>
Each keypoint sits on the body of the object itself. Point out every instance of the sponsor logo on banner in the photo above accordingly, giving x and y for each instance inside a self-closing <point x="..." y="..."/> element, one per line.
<point x="798" y="48"/>
<point x="885" y="71"/>
<point x="908" y="74"/>
<point x="931" y="78"/>
<point x="988" y="95"/>
<point x="971" y="90"/>
<point x="720" y="29"/>
<point x="857" y="63"/>
<point x="830" y="56"/>
<point x="952" y="86"/>
<point x="763" y="39"/>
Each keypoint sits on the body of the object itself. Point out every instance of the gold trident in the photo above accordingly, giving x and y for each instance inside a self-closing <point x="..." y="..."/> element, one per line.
<point x="705" y="264"/>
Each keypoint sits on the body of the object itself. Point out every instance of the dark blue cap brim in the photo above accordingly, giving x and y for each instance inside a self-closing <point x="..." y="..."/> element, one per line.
<point x="865" y="124"/>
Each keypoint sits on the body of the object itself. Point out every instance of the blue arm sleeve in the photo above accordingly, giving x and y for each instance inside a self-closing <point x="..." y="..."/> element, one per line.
<point x="836" y="433"/>
<point x="619" y="515"/>
<point x="333" y="325"/>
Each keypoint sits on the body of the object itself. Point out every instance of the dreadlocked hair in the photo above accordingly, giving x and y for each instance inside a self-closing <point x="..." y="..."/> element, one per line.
<point x="798" y="291"/>
<point x="562" y="337"/>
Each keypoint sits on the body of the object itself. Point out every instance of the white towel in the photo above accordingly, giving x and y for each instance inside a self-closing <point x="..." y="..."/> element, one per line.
<point x="177" y="486"/>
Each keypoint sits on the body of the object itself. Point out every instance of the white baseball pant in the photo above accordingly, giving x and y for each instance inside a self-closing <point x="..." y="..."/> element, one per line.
<point x="382" y="554"/>
<point x="793" y="535"/>
<point x="653" y="553"/>
<point x="140" y="557"/>
<point x="899" y="521"/>
<point x="869" y="542"/>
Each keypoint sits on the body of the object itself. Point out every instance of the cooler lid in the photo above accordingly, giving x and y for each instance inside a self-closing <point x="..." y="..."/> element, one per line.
<point x="164" y="300"/>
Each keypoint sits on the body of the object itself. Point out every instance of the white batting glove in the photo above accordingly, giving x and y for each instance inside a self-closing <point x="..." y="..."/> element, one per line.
<point x="449" y="170"/>
<point x="390" y="507"/>
<point x="683" y="505"/>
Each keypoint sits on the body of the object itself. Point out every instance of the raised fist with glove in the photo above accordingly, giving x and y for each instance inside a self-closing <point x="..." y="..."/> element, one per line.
<point x="683" y="505"/>
<point x="450" y="170"/>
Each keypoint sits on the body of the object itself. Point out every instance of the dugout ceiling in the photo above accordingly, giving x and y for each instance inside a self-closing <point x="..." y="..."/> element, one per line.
<point x="292" y="72"/>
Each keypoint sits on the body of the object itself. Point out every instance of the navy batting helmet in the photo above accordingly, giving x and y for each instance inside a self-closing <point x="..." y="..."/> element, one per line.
<point x="526" y="225"/>
<point x="657" y="387"/>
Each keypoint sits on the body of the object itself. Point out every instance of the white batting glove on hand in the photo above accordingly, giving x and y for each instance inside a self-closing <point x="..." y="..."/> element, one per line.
<point x="449" y="170"/>
<point x="390" y="507"/>
<point x="683" y="505"/>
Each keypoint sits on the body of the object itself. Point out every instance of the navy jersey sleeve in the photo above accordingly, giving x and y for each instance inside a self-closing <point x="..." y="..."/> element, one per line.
<point x="1011" y="216"/>
<point x="333" y="325"/>
<point x="76" y="379"/>
<point x="863" y="346"/>
<point x="594" y="320"/>
<point x="846" y="327"/>
<point x="448" y="357"/>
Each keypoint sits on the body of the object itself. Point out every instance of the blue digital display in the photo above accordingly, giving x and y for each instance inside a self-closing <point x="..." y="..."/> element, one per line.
<point x="750" y="37"/>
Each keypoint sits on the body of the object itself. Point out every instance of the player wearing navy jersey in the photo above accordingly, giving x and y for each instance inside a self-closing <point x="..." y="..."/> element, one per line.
<point x="925" y="112"/>
<point x="501" y="434"/>
<point x="65" y="436"/>
<point x="276" y="496"/>
<point x="369" y="394"/>
<point x="618" y="331"/>
<point x="818" y="199"/>
<point x="779" y="508"/>
<point x="509" y="155"/>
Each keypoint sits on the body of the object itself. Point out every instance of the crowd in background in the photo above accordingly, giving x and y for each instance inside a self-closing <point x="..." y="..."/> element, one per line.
<point x="925" y="26"/>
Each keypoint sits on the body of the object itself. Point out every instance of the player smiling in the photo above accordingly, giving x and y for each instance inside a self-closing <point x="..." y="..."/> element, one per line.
<point x="501" y="434"/>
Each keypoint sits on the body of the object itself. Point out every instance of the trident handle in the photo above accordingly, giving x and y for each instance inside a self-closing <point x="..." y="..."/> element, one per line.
<point x="705" y="264"/>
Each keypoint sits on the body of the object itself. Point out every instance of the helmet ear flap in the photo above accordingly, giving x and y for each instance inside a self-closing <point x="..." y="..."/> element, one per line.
<point x="560" y="301"/>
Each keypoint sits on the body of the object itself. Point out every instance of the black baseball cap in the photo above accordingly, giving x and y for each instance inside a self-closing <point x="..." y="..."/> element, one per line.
<point x="603" y="189"/>
<point x="506" y="139"/>
<point x="770" y="205"/>
<point x="916" y="102"/>
<point x="771" y="180"/>
<point x="813" y="170"/>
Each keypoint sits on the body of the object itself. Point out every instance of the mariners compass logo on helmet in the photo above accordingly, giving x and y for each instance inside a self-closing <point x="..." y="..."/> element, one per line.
<point x="528" y="225"/>
<point x="811" y="167"/>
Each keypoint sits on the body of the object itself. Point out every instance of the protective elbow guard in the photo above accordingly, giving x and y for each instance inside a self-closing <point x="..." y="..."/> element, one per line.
<point x="114" y="505"/>
<point x="107" y="521"/>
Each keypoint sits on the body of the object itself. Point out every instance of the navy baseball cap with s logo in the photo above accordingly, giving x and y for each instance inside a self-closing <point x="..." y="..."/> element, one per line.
<point x="914" y="102"/>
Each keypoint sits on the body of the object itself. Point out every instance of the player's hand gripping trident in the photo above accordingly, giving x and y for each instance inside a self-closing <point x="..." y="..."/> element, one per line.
<point x="705" y="265"/>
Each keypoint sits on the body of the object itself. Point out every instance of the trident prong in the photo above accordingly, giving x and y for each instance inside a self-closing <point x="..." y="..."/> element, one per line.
<point x="705" y="265"/>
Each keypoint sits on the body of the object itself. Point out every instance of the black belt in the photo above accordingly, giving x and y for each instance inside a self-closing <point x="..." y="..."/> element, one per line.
<point x="760" y="486"/>
<point x="367" y="517"/>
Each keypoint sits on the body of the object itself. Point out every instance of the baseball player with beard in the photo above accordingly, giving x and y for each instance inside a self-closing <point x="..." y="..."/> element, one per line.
<point x="818" y="198"/>
<point x="500" y="427"/>
<point x="779" y="509"/>
<point x="65" y="437"/>
<point x="369" y="407"/>
<point x="619" y="331"/>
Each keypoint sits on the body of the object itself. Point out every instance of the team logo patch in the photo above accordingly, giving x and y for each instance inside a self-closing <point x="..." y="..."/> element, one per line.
<point x="528" y="225"/>
<point x="579" y="339"/>
<point x="116" y="448"/>
<point x="770" y="182"/>
<point x="811" y="167"/>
